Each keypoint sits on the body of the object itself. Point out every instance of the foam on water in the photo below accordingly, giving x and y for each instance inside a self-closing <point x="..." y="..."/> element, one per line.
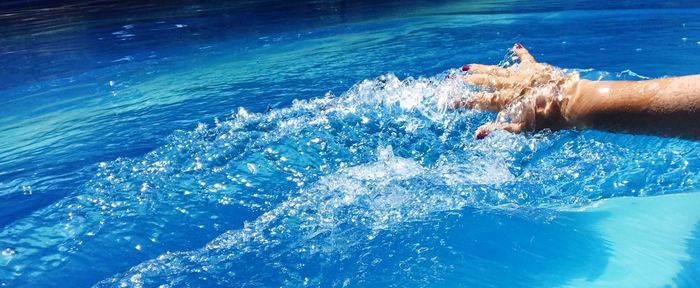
<point x="316" y="183"/>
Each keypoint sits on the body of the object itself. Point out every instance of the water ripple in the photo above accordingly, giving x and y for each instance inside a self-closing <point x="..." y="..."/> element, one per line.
<point x="319" y="180"/>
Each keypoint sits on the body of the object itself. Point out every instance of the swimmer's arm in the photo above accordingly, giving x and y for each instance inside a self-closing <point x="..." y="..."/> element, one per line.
<point x="653" y="106"/>
<point x="666" y="107"/>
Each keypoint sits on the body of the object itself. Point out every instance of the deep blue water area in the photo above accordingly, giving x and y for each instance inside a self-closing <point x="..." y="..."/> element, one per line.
<point x="276" y="143"/>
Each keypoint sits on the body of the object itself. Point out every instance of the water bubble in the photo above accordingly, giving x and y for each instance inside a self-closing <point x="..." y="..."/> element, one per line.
<point x="251" y="168"/>
<point x="9" y="251"/>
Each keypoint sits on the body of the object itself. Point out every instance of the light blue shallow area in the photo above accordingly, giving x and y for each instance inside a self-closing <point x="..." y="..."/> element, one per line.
<point x="294" y="145"/>
<point x="633" y="228"/>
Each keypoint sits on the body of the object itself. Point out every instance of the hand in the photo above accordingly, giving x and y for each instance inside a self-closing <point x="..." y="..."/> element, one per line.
<point x="527" y="96"/>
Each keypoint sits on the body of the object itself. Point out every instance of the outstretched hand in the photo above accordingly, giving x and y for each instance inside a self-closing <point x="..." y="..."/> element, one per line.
<point x="527" y="96"/>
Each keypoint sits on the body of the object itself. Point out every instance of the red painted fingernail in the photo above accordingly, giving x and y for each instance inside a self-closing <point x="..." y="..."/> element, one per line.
<point x="481" y="134"/>
<point x="518" y="46"/>
<point x="465" y="67"/>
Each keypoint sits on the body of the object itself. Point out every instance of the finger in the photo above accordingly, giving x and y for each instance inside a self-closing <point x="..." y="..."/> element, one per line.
<point x="460" y="102"/>
<point x="491" y="101"/>
<point x="486" y="129"/>
<point x="523" y="54"/>
<point x="490" y="81"/>
<point x="513" y="127"/>
<point x="486" y="69"/>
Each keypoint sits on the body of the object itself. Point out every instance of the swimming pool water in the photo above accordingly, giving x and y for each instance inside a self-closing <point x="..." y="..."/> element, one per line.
<point x="266" y="144"/>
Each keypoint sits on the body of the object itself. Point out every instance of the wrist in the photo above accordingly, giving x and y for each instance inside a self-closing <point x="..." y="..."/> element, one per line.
<point x="570" y="92"/>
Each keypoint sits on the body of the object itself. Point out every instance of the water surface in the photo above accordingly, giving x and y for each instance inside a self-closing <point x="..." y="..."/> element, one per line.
<point x="273" y="144"/>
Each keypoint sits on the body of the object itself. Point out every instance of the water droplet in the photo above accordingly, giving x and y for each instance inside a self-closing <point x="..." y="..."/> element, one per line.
<point x="9" y="251"/>
<point x="251" y="168"/>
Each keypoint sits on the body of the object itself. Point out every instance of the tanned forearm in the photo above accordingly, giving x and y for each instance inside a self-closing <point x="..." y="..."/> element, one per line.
<point x="533" y="96"/>
<point x="667" y="106"/>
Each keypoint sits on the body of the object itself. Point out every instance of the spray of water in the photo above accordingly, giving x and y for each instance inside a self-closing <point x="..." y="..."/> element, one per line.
<point x="318" y="181"/>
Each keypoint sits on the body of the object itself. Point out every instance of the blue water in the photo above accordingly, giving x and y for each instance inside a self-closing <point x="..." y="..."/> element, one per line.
<point x="267" y="144"/>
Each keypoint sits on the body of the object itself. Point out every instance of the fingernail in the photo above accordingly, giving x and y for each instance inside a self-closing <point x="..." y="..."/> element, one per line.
<point x="518" y="46"/>
<point x="481" y="134"/>
<point x="465" y="67"/>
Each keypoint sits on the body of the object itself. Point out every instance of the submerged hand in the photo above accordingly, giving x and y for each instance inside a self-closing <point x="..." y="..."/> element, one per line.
<point x="527" y="96"/>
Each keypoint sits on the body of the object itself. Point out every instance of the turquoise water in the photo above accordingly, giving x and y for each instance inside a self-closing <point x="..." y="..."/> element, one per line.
<point x="272" y="144"/>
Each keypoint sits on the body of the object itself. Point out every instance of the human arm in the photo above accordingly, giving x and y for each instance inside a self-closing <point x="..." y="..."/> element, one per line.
<point x="532" y="96"/>
<point x="665" y="106"/>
